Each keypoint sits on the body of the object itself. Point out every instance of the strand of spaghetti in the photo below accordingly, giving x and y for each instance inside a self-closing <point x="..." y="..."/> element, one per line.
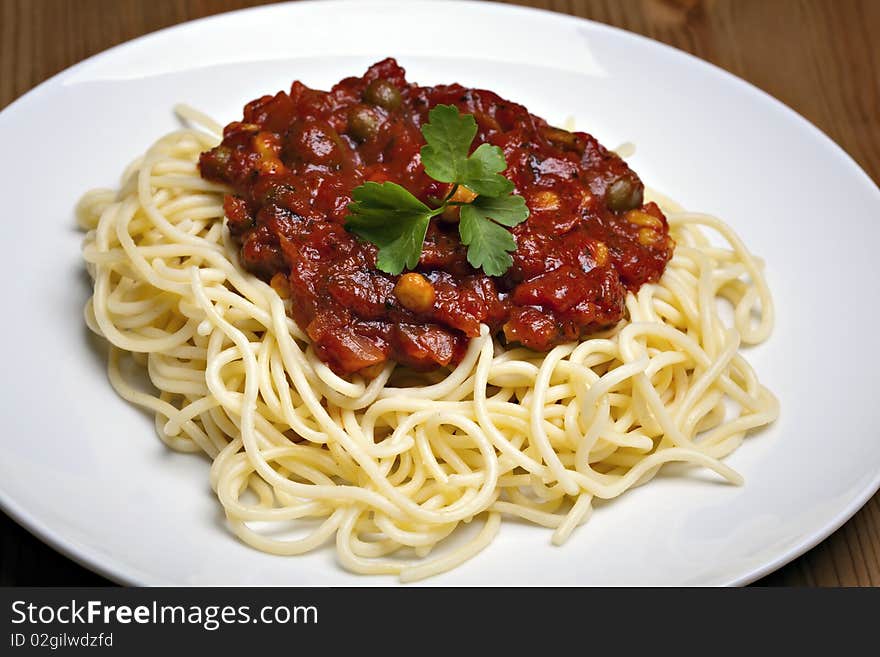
<point x="700" y="383"/>
<point x="145" y="185"/>
<point x="578" y="514"/>
<point x="591" y="436"/>
<point x="501" y="443"/>
<point x="236" y="469"/>
<point x="200" y="119"/>
<point x="681" y="341"/>
<point x="289" y="548"/>
<point x="538" y="435"/>
<point x="412" y="538"/>
<point x="767" y="314"/>
<point x="667" y="455"/>
<point x="450" y="561"/>
<point x="193" y="431"/>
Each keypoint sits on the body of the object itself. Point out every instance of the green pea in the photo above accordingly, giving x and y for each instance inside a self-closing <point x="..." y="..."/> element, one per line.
<point x="623" y="194"/>
<point x="363" y="124"/>
<point x="383" y="93"/>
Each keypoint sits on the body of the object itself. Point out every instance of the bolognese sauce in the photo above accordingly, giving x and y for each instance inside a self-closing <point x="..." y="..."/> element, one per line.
<point x="294" y="159"/>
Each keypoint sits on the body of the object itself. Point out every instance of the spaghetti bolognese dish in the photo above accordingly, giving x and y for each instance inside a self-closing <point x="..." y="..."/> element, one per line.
<point x="386" y="311"/>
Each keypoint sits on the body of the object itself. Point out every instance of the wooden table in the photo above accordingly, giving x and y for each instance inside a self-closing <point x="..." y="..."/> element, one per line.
<point x="820" y="57"/>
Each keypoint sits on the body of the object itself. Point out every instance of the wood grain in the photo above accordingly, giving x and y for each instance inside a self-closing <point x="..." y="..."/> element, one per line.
<point x="818" y="56"/>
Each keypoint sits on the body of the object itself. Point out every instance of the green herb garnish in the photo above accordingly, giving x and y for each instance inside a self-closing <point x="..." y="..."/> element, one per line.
<point x="390" y="217"/>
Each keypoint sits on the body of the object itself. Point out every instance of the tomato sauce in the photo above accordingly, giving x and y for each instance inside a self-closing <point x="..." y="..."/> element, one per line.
<point x="294" y="159"/>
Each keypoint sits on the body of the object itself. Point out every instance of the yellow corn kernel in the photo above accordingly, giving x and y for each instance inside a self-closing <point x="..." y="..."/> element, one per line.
<point x="648" y="236"/>
<point x="462" y="195"/>
<point x="545" y="200"/>
<point x="601" y="254"/>
<point x="415" y="292"/>
<point x="640" y="218"/>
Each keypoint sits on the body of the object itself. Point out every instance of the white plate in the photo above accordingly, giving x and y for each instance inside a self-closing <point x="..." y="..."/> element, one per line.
<point x="83" y="470"/>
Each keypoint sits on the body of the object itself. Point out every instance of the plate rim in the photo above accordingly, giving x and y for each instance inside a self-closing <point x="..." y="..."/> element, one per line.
<point x="117" y="570"/>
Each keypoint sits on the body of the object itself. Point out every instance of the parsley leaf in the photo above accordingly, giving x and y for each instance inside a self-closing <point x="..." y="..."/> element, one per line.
<point x="390" y="217"/>
<point x="448" y="136"/>
<point x="393" y="219"/>
<point x="507" y="210"/>
<point x="445" y="155"/>
<point x="482" y="170"/>
<point x="489" y="243"/>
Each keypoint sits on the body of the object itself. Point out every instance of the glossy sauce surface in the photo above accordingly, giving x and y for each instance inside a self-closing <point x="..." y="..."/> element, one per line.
<point x="294" y="159"/>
